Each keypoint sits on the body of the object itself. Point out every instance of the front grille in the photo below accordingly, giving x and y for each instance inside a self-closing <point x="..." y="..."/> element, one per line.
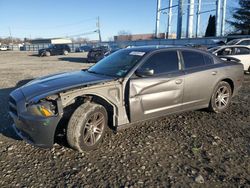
<point x="12" y="100"/>
<point x="12" y="105"/>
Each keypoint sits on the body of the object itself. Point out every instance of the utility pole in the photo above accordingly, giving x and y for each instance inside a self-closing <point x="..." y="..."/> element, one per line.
<point x="10" y="36"/>
<point x="98" y="29"/>
<point x="218" y="9"/>
<point x="198" y="18"/>
<point x="224" y="8"/>
<point x="158" y="16"/>
<point x="169" y="18"/>
<point x="190" y="19"/>
<point x="179" y="21"/>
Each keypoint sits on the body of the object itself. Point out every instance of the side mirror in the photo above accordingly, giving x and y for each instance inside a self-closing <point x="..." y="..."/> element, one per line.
<point x="144" y="72"/>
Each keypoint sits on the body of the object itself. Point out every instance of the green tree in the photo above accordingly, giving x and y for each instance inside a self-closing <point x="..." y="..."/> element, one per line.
<point x="210" y="31"/>
<point x="242" y="17"/>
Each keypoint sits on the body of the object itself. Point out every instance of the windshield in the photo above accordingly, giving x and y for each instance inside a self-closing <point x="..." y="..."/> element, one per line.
<point x="232" y="42"/>
<point x="117" y="64"/>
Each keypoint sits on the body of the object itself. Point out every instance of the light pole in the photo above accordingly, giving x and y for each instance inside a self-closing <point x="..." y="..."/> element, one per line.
<point x="158" y="16"/>
<point x="179" y="21"/>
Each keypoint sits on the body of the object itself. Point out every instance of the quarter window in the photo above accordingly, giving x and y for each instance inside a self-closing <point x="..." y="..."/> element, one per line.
<point x="208" y="60"/>
<point x="162" y="62"/>
<point x="193" y="59"/>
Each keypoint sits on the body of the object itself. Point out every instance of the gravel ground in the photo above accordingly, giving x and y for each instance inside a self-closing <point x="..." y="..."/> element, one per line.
<point x="193" y="149"/>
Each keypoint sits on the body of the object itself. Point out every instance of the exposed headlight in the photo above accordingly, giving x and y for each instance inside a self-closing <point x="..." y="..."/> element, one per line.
<point x="45" y="109"/>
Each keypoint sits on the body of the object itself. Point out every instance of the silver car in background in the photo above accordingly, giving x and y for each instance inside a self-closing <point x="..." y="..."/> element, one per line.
<point x="239" y="52"/>
<point x="241" y="41"/>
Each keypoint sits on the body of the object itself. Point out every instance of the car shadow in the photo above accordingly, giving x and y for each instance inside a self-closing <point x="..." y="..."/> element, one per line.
<point x="74" y="59"/>
<point x="6" y="121"/>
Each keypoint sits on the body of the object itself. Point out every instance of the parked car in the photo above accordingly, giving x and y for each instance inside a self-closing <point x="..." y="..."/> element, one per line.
<point x="129" y="86"/>
<point x="3" y="48"/>
<point x="98" y="53"/>
<point x="83" y="49"/>
<point x="237" y="51"/>
<point x="112" y="50"/>
<point x="198" y="46"/>
<point x="242" y="41"/>
<point x="55" y="49"/>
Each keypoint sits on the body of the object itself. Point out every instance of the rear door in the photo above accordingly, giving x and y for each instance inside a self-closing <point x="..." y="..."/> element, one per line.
<point x="58" y="49"/>
<point x="160" y="93"/>
<point x="201" y="75"/>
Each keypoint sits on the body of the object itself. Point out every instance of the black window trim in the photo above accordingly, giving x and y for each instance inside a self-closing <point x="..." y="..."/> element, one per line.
<point x="203" y="54"/>
<point x="180" y="64"/>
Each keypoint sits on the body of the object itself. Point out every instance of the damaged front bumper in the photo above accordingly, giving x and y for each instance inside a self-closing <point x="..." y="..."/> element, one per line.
<point x="36" y="130"/>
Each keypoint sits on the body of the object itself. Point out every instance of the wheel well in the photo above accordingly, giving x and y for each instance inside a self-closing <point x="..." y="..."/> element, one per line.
<point x="69" y="110"/>
<point x="95" y="99"/>
<point x="108" y="107"/>
<point x="231" y="83"/>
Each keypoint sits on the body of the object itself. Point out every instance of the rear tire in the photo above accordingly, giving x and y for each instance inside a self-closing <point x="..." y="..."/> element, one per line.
<point x="47" y="54"/>
<point x="87" y="127"/>
<point x="65" y="52"/>
<point x="248" y="71"/>
<point x="221" y="97"/>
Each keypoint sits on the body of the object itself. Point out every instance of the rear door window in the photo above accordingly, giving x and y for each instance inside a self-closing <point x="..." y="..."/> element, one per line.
<point x="241" y="51"/>
<point x="193" y="59"/>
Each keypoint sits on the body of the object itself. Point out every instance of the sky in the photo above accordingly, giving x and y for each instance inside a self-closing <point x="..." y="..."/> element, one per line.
<point x="61" y="18"/>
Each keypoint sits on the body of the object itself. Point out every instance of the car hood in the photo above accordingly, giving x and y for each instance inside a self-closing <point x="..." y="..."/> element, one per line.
<point x="52" y="84"/>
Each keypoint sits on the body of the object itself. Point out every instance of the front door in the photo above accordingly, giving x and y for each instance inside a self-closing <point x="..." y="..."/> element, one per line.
<point x="160" y="93"/>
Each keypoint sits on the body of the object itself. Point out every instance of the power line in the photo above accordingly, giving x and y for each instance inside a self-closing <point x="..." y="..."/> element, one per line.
<point x="57" y="26"/>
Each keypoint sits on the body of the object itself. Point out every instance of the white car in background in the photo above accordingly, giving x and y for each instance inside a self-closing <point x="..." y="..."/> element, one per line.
<point x="243" y="41"/>
<point x="3" y="48"/>
<point x="236" y="51"/>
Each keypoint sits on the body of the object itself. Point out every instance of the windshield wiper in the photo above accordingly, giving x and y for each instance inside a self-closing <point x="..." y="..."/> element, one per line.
<point x="92" y="72"/>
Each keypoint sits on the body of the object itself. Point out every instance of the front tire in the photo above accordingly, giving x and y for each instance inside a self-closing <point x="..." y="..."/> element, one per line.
<point x="221" y="97"/>
<point x="87" y="127"/>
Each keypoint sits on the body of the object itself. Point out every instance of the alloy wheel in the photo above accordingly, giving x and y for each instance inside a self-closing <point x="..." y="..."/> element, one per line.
<point x="222" y="97"/>
<point x="93" y="129"/>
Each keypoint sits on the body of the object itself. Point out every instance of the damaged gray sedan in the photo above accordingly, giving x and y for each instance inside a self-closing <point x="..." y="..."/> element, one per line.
<point x="128" y="86"/>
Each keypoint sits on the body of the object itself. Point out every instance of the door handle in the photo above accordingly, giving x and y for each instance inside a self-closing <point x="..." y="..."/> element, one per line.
<point x="214" y="72"/>
<point x="178" y="81"/>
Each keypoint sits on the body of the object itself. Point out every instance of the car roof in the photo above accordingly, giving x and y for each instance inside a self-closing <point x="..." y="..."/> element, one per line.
<point x="232" y="46"/>
<point x="244" y="39"/>
<point x="151" y="48"/>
